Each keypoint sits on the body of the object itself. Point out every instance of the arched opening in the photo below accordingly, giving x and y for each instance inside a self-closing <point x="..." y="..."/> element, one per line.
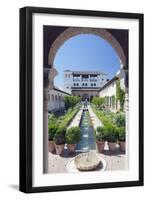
<point x="91" y="97"/>
<point x="71" y="32"/>
<point x="85" y="97"/>
<point x="103" y="34"/>
<point x="52" y="97"/>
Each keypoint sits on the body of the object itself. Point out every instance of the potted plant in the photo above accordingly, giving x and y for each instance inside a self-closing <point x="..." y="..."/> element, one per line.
<point x="122" y="138"/>
<point x="111" y="137"/>
<point x="59" y="140"/>
<point x="100" y="138"/>
<point x="52" y="128"/>
<point x="119" y="119"/>
<point x="73" y="136"/>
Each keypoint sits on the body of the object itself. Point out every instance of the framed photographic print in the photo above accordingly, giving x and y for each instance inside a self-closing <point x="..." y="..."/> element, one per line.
<point x="81" y="99"/>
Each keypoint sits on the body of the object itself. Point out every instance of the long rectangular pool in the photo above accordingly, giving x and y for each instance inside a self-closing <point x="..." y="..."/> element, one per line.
<point x="87" y="141"/>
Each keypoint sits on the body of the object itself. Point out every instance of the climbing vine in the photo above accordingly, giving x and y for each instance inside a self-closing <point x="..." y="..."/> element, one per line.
<point x="113" y="101"/>
<point x="120" y="95"/>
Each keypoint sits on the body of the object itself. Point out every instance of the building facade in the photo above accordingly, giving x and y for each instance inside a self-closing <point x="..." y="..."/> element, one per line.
<point x="56" y="99"/>
<point x="108" y="91"/>
<point x="84" y="83"/>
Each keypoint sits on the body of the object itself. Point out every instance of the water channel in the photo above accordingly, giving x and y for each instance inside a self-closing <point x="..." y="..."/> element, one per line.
<point x="87" y="141"/>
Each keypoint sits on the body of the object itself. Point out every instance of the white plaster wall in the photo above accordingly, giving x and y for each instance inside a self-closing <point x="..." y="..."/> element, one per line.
<point x="109" y="90"/>
<point x="56" y="104"/>
<point x="68" y="81"/>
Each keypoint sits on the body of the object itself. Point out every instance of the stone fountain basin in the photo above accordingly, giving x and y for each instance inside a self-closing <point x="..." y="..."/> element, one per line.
<point x="87" y="161"/>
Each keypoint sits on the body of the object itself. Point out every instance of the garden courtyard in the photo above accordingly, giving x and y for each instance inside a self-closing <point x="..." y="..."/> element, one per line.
<point x="86" y="127"/>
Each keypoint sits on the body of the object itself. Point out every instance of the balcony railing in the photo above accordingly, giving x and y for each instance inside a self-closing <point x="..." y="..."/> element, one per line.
<point x="85" y="87"/>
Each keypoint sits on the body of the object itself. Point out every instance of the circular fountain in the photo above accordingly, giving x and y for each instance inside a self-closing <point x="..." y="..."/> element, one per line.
<point x="87" y="161"/>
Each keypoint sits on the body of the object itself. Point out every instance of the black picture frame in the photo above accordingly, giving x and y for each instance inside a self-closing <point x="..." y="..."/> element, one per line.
<point x="26" y="170"/>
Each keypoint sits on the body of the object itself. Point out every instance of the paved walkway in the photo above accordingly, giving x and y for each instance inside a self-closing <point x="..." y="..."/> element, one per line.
<point x="57" y="164"/>
<point x="95" y="121"/>
<point x="76" y="120"/>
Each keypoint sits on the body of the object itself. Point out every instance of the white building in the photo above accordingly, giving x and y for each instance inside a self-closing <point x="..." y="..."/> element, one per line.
<point x="109" y="90"/>
<point x="87" y="84"/>
<point x="56" y="99"/>
<point x="83" y="80"/>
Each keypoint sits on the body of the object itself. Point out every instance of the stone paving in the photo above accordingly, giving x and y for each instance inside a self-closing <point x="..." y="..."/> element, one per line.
<point x="76" y="120"/>
<point x="57" y="164"/>
<point x="95" y="121"/>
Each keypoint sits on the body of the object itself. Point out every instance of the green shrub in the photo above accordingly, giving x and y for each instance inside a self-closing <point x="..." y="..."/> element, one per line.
<point x="101" y="129"/>
<point x="59" y="137"/>
<point x="101" y="133"/>
<point x="100" y="137"/>
<point x="71" y="101"/>
<point x="64" y="119"/>
<point x="121" y="133"/>
<point x="98" y="101"/>
<point x="119" y="119"/>
<point x="52" y="129"/>
<point x="111" y="133"/>
<point x="73" y="135"/>
<point x="52" y="119"/>
<point x="105" y="116"/>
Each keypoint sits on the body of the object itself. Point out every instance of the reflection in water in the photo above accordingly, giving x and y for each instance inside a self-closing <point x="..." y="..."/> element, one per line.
<point x="87" y="142"/>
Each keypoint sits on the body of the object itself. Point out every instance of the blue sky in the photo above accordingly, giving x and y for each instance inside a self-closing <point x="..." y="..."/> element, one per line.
<point x="85" y="52"/>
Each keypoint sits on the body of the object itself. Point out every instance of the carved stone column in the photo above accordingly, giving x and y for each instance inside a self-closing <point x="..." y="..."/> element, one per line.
<point x="49" y="74"/>
<point x="126" y="91"/>
<point x="127" y="115"/>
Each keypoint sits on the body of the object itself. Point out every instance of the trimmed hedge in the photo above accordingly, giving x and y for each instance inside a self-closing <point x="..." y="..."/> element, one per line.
<point x="114" y="126"/>
<point x="105" y="116"/>
<point x="58" y="125"/>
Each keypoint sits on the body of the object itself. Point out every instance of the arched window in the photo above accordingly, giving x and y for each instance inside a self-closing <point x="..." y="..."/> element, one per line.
<point x="48" y="97"/>
<point x="55" y="97"/>
<point x="52" y="97"/>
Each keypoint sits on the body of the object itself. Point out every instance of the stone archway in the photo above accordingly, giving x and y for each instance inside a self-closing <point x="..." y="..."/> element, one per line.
<point x="85" y="96"/>
<point x="50" y="73"/>
<point x="73" y="31"/>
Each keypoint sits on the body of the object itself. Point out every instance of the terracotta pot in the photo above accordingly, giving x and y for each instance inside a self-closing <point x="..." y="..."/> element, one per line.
<point x="59" y="149"/>
<point x="122" y="145"/>
<point x="71" y="148"/>
<point x="51" y="146"/>
<point x="112" y="146"/>
<point x="100" y="146"/>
